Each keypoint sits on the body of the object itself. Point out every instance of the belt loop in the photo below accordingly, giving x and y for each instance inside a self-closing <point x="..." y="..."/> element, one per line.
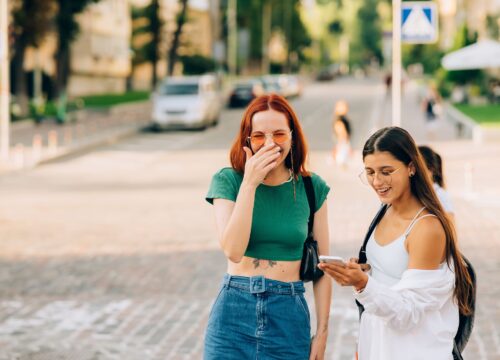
<point x="293" y="289"/>
<point x="227" y="280"/>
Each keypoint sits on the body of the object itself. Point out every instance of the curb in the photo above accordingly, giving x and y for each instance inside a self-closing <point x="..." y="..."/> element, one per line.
<point x="76" y="150"/>
<point x="467" y="127"/>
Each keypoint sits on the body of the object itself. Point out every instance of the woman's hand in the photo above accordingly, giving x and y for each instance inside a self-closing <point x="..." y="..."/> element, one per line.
<point x="318" y="346"/>
<point x="350" y="274"/>
<point x="258" y="165"/>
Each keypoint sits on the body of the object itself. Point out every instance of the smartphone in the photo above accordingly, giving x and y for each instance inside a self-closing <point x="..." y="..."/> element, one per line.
<point x="332" y="259"/>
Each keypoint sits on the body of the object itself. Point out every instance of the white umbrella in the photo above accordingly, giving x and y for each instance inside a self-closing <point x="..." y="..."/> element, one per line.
<point x="481" y="55"/>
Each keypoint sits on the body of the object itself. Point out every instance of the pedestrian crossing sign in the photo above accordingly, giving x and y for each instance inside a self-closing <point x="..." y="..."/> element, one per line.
<point x="419" y="22"/>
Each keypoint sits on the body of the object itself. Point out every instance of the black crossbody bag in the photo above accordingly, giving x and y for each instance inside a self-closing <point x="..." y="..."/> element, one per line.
<point x="309" y="270"/>
<point x="466" y="322"/>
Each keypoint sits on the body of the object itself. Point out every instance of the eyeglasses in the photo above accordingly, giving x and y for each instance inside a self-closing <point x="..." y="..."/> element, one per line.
<point x="367" y="177"/>
<point x="279" y="137"/>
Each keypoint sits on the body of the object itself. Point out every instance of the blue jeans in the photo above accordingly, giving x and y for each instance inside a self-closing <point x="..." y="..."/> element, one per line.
<point x="259" y="319"/>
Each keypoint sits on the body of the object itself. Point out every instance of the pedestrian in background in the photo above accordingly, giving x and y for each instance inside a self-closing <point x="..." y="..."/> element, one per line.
<point x="432" y="104"/>
<point x="418" y="283"/>
<point x="434" y="165"/>
<point x="262" y="210"/>
<point x="342" y="134"/>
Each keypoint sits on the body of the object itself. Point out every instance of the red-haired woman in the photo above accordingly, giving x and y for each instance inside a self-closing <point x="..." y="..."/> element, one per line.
<point x="262" y="211"/>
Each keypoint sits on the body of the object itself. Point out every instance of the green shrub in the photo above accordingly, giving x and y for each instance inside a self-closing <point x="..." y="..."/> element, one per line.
<point x="197" y="64"/>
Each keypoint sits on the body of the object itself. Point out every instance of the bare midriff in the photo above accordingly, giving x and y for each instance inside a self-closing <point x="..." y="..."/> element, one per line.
<point x="286" y="271"/>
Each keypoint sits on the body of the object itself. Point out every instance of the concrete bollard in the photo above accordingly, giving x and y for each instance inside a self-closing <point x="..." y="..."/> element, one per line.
<point x="18" y="156"/>
<point x="68" y="136"/>
<point x="52" y="142"/>
<point x="80" y="131"/>
<point x="36" y="149"/>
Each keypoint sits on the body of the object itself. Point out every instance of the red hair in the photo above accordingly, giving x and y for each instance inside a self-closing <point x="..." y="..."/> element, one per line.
<point x="298" y="149"/>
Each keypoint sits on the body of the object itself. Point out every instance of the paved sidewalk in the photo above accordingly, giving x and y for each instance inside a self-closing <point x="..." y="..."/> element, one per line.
<point x="144" y="294"/>
<point x="32" y="144"/>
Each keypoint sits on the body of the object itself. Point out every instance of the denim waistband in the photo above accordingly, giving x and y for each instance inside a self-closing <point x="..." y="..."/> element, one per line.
<point x="259" y="284"/>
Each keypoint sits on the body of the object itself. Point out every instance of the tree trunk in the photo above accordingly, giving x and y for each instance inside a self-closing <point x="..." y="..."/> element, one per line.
<point x="156" y="28"/>
<point x="172" y="55"/>
<point x="63" y="69"/>
<point x="20" y="78"/>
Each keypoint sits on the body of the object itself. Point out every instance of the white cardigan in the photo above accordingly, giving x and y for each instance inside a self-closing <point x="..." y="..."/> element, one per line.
<point x="415" y="319"/>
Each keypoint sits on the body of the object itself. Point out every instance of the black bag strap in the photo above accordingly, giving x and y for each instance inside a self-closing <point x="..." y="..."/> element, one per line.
<point x="312" y="202"/>
<point x="362" y="252"/>
<point x="374" y="223"/>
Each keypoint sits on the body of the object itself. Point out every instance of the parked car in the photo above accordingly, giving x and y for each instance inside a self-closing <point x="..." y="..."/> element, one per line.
<point x="292" y="86"/>
<point x="187" y="102"/>
<point x="245" y="91"/>
<point x="273" y="84"/>
<point x="328" y="73"/>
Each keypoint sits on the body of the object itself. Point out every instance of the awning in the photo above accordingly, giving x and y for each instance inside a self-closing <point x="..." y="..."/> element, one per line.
<point x="481" y="55"/>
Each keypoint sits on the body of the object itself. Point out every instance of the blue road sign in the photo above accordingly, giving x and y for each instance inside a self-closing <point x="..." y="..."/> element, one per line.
<point x="419" y="22"/>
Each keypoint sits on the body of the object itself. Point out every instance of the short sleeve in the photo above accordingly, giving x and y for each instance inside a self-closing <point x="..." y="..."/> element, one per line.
<point x="222" y="186"/>
<point x="321" y="190"/>
<point x="444" y="198"/>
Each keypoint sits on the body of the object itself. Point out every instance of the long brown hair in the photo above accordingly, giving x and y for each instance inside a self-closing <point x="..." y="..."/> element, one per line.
<point x="298" y="148"/>
<point x="434" y="164"/>
<point x="401" y="145"/>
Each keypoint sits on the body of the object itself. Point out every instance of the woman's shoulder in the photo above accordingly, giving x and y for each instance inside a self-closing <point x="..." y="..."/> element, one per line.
<point x="229" y="173"/>
<point x="317" y="180"/>
<point x="430" y="233"/>
<point x="321" y="189"/>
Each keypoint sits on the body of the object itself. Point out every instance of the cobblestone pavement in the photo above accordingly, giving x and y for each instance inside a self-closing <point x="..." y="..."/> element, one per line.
<point x="113" y="255"/>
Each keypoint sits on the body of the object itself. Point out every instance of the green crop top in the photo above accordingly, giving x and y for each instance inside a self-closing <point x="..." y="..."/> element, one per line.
<point x="279" y="224"/>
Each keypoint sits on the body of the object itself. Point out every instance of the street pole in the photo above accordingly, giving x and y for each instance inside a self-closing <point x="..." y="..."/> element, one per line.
<point x="232" y="52"/>
<point x="396" y="63"/>
<point x="4" y="83"/>
<point x="266" y="34"/>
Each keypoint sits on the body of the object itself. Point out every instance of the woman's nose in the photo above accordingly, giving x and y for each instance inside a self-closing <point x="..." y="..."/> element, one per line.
<point x="269" y="139"/>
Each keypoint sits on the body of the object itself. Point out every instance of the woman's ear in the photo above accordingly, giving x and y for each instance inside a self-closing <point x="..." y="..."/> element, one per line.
<point x="411" y="169"/>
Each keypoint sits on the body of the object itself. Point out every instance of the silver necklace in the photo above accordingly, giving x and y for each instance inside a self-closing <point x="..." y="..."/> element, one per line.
<point x="284" y="182"/>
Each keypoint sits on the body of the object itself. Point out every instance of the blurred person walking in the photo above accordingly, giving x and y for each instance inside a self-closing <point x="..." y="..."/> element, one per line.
<point x="262" y="210"/>
<point x="431" y="104"/>
<point x="341" y="134"/>
<point x="418" y="285"/>
<point x="432" y="108"/>
<point x="434" y="164"/>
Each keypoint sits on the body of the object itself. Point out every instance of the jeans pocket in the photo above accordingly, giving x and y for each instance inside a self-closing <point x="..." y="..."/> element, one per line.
<point x="217" y="299"/>
<point x="300" y="299"/>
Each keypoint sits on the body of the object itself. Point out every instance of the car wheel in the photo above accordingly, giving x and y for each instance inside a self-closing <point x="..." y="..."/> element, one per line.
<point x="155" y="128"/>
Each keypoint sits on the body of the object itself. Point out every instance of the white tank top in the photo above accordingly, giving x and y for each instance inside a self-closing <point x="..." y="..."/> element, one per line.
<point x="389" y="261"/>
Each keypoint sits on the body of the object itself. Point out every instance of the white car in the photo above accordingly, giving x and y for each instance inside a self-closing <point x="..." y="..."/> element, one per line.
<point x="187" y="102"/>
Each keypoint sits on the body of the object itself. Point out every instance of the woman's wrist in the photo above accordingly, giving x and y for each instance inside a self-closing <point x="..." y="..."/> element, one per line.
<point x="360" y="285"/>
<point x="322" y="330"/>
<point x="247" y="185"/>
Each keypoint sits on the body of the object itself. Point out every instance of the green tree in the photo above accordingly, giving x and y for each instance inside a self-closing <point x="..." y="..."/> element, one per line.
<point x="31" y="23"/>
<point x="197" y="64"/>
<point x="172" y="52"/>
<point x="429" y="55"/>
<point x="147" y="23"/>
<point x="367" y="45"/>
<point x="285" y="17"/>
<point x="67" y="31"/>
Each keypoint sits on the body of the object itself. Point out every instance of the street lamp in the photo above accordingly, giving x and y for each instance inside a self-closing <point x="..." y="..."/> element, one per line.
<point x="4" y="82"/>
<point x="396" y="63"/>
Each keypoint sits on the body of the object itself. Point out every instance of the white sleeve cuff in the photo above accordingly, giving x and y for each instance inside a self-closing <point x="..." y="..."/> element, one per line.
<point x="367" y="295"/>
